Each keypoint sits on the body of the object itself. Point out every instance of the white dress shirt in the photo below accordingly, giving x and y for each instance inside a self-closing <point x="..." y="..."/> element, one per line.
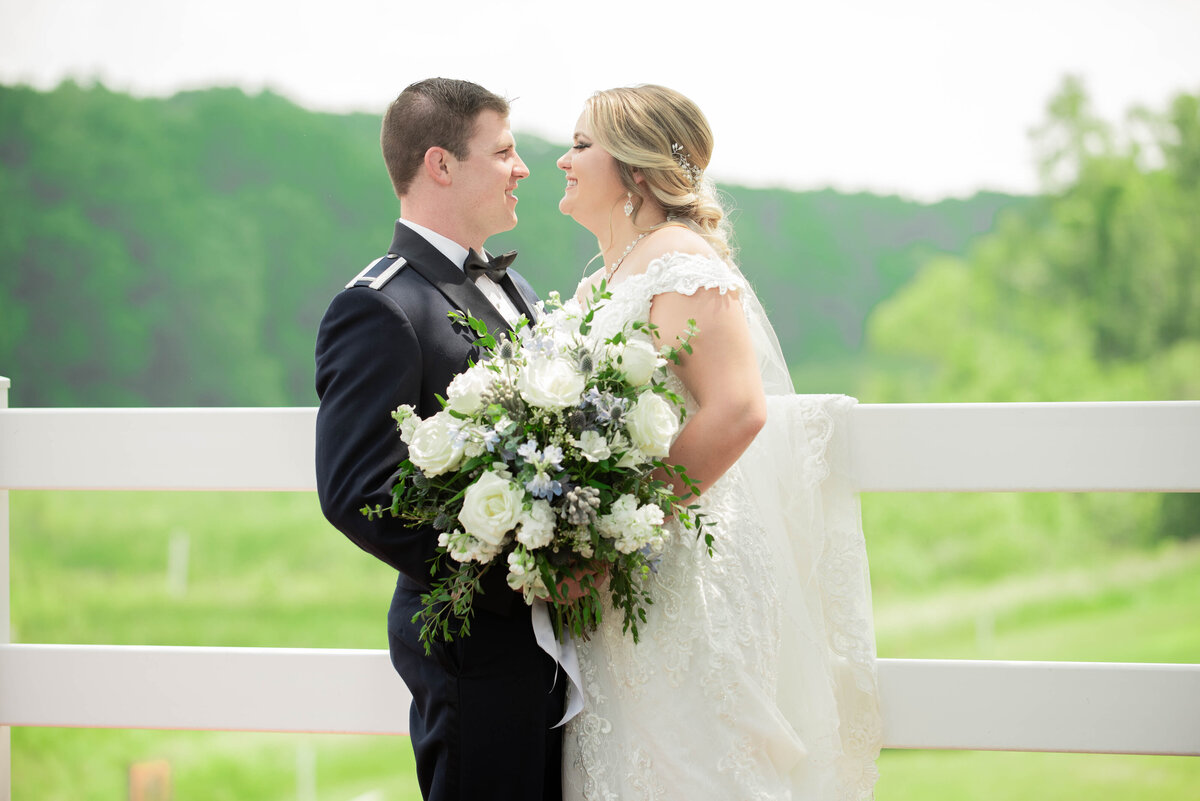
<point x="457" y="254"/>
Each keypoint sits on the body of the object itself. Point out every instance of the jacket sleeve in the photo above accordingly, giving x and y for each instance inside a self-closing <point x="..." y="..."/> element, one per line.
<point x="368" y="362"/>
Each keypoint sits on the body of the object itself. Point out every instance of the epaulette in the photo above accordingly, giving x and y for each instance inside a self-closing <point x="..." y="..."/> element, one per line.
<point x="378" y="272"/>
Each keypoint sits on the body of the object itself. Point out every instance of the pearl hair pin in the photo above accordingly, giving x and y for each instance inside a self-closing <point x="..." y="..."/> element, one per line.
<point x="694" y="174"/>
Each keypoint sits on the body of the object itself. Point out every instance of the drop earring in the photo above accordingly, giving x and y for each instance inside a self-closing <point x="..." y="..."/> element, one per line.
<point x="628" y="204"/>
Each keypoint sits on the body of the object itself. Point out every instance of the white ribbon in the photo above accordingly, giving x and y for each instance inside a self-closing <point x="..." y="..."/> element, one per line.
<point x="564" y="654"/>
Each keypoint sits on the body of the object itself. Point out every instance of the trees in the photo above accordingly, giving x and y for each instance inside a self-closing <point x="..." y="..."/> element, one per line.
<point x="1091" y="294"/>
<point x="181" y="251"/>
<point x="1094" y="293"/>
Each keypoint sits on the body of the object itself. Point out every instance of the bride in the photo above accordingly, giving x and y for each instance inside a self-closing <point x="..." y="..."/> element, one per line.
<point x="755" y="674"/>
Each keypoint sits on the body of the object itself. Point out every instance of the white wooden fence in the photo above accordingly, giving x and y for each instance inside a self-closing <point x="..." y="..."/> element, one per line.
<point x="937" y="704"/>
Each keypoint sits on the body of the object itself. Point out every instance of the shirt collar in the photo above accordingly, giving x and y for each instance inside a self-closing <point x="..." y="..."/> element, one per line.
<point x="453" y="251"/>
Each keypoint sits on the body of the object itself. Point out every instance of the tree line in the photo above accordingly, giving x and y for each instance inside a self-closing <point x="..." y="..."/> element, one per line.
<point x="1090" y="294"/>
<point x="181" y="251"/>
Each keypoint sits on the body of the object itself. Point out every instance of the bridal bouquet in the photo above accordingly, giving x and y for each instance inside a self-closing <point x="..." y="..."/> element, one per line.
<point x="540" y="464"/>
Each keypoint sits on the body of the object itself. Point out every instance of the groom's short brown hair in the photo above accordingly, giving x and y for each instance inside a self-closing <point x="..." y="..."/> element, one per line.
<point x="435" y="112"/>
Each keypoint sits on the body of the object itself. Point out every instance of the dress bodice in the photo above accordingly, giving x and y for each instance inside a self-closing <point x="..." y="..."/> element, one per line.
<point x="756" y="662"/>
<point x="685" y="273"/>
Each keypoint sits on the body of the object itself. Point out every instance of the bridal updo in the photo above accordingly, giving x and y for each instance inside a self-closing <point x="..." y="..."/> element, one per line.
<point x="666" y="138"/>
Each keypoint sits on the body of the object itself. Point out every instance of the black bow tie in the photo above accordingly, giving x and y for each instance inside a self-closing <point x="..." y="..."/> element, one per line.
<point x="495" y="269"/>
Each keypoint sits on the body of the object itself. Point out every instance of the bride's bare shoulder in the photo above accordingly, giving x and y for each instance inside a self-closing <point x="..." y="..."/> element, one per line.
<point x="676" y="239"/>
<point x="664" y="242"/>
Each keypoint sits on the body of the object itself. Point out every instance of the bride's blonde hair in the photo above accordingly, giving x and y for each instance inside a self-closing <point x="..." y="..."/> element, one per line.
<point x="646" y="128"/>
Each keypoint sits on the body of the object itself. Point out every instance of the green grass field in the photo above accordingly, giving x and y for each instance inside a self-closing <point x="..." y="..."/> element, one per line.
<point x="266" y="570"/>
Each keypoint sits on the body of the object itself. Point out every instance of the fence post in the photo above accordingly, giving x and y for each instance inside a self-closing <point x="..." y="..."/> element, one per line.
<point x="5" y="573"/>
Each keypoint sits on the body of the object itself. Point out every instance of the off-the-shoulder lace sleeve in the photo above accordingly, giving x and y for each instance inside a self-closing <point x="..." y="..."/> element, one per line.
<point x="686" y="273"/>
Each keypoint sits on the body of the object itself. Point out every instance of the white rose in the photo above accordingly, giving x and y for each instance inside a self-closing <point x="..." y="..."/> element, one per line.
<point x="551" y="383"/>
<point x="652" y="424"/>
<point x="465" y="393"/>
<point x="435" y="446"/>
<point x="536" y="528"/>
<point x="491" y="507"/>
<point x="593" y="446"/>
<point x="638" y="361"/>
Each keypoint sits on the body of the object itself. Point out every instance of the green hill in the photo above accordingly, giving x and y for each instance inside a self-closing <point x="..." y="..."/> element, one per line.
<point x="181" y="251"/>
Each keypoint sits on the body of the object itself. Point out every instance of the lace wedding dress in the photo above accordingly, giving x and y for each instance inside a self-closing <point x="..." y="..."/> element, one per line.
<point x="755" y="674"/>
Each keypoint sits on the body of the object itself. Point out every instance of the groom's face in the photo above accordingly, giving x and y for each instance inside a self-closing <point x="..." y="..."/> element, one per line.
<point x="484" y="182"/>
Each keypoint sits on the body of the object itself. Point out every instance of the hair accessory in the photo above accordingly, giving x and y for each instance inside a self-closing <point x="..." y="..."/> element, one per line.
<point x="628" y="209"/>
<point x="694" y="174"/>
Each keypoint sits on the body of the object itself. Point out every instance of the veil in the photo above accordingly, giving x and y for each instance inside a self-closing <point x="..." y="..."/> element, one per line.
<point x="796" y="473"/>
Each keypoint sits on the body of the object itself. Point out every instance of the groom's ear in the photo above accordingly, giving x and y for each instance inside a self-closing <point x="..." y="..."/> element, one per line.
<point x="437" y="165"/>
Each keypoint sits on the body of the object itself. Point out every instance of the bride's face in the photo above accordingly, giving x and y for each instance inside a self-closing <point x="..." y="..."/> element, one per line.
<point x="594" y="186"/>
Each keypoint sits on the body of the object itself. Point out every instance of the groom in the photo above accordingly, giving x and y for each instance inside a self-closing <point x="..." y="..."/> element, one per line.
<point x="484" y="705"/>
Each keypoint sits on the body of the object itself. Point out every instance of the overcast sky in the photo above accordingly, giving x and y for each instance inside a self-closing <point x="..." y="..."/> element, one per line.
<point x="925" y="98"/>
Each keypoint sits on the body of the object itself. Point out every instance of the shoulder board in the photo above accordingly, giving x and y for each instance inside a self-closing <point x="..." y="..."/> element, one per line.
<point x="378" y="272"/>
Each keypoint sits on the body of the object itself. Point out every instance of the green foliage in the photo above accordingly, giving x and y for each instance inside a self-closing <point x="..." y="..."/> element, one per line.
<point x="169" y="251"/>
<point x="182" y="251"/>
<point x="1091" y="294"/>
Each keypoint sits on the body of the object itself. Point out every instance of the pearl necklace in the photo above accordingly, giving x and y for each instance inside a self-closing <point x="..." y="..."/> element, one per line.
<point x="609" y="273"/>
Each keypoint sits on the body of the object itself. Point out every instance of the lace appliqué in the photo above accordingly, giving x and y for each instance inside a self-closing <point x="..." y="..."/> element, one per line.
<point x="710" y="650"/>
<point x="685" y="273"/>
<point x="846" y="755"/>
<point x="697" y="709"/>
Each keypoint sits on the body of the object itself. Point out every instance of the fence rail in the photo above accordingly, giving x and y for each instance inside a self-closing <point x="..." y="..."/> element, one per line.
<point x="942" y="704"/>
<point x="939" y="704"/>
<point x="928" y="447"/>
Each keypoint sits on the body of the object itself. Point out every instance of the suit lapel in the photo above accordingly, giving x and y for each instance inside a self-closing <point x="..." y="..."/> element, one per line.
<point x="446" y="277"/>
<point x="520" y="298"/>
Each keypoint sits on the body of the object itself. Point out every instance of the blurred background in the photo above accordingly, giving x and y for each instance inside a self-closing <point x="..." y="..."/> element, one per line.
<point x="937" y="201"/>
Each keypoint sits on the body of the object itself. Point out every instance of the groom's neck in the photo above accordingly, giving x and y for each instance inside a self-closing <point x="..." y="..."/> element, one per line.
<point x="443" y="221"/>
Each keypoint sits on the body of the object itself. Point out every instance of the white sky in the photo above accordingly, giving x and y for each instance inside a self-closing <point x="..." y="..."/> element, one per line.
<point x="925" y="98"/>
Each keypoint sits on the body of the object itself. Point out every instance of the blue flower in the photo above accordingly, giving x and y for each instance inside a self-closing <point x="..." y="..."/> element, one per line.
<point x="653" y="560"/>
<point x="548" y="458"/>
<point x="540" y="347"/>
<point x="609" y="407"/>
<point x="552" y="457"/>
<point x="542" y="486"/>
